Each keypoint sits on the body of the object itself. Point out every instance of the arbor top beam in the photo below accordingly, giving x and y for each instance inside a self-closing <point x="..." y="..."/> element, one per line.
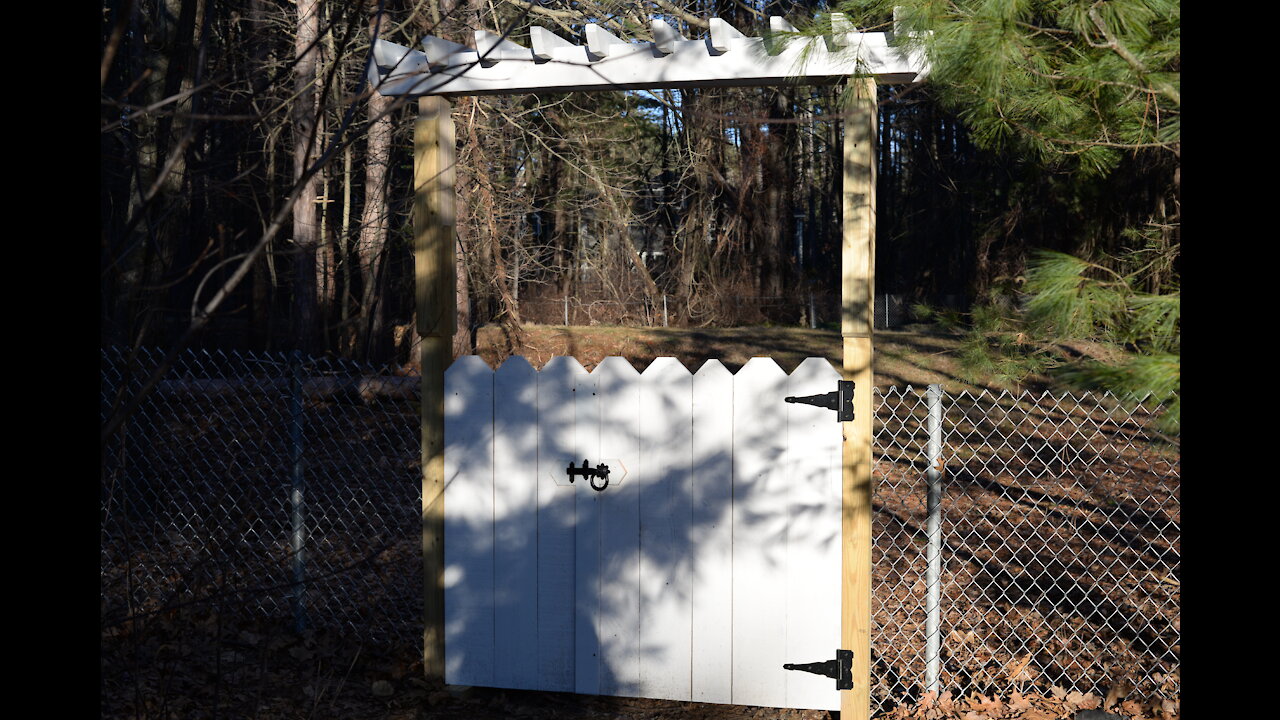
<point x="725" y="58"/>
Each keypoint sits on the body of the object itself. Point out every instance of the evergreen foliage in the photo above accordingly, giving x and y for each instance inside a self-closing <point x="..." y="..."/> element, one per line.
<point x="1080" y="91"/>
<point x="1072" y="83"/>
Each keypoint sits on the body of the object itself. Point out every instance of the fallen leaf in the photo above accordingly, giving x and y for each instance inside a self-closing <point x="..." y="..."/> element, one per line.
<point x="382" y="688"/>
<point x="1016" y="667"/>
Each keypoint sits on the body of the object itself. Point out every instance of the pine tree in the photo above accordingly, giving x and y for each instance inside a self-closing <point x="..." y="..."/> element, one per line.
<point x="1084" y="89"/>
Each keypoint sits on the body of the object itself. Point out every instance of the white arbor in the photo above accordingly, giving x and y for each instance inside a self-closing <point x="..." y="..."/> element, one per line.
<point x="495" y="64"/>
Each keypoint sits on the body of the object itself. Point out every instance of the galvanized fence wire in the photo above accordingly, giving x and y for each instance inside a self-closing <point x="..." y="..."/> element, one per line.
<point x="289" y="488"/>
<point x="1059" y="540"/>
<point x="266" y="484"/>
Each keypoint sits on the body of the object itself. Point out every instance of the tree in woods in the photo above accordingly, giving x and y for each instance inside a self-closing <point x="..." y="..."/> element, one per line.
<point x="1079" y="100"/>
<point x="254" y="187"/>
<point x="255" y="190"/>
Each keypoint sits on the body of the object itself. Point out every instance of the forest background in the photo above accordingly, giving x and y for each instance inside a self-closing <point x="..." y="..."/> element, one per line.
<point x="255" y="192"/>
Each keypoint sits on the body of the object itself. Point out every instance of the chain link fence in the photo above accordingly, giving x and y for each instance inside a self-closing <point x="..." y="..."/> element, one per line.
<point x="266" y="484"/>
<point x="1023" y="542"/>
<point x="1056" y="524"/>
<point x="808" y="309"/>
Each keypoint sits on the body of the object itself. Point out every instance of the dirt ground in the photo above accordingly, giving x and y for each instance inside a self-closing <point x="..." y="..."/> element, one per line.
<point x="197" y="662"/>
<point x="914" y="355"/>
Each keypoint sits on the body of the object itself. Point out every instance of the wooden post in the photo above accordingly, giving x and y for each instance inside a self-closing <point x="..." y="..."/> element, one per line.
<point x="435" y="279"/>
<point x="858" y="254"/>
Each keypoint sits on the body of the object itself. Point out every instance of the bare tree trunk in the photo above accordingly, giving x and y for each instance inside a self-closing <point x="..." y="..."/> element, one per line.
<point x="305" y="229"/>
<point x="373" y="228"/>
<point x="463" y="340"/>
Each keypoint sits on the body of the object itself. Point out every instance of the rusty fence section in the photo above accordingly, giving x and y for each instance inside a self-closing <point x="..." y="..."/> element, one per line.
<point x="288" y="487"/>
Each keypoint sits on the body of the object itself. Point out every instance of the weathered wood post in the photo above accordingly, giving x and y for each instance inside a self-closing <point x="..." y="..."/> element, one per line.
<point x="858" y="257"/>
<point x="435" y="282"/>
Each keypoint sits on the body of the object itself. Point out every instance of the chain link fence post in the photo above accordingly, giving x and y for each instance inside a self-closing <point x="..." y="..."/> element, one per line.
<point x="933" y="530"/>
<point x="298" y="540"/>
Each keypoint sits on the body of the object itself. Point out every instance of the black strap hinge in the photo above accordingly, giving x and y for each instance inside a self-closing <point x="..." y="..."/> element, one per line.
<point x="841" y="400"/>
<point x="840" y="669"/>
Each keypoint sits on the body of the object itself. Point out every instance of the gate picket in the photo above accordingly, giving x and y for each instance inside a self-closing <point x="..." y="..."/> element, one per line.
<point x="557" y="386"/>
<point x="515" y="505"/>
<point x="587" y="533"/>
<point x="619" y="537"/>
<point x="759" y="533"/>
<point x="712" y="534"/>
<point x="666" y="501"/>
<point x="812" y="469"/>
<point x="468" y="527"/>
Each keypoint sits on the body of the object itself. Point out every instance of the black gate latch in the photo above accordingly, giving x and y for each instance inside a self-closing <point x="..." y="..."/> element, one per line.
<point x="840" y="400"/>
<point x="840" y="669"/>
<point x="591" y="473"/>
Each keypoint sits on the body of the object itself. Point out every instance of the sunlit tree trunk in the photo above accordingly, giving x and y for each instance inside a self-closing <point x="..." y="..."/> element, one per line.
<point x="371" y="244"/>
<point x="305" y="228"/>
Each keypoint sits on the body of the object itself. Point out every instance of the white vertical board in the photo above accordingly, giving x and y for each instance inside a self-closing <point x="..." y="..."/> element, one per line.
<point x="812" y="468"/>
<point x="711" y="534"/>
<point x="665" y="485"/>
<point x="587" y="530"/>
<point x="468" y="527"/>
<point x="618" y="385"/>
<point x="515" y="512"/>
<point x="557" y="386"/>
<point x="759" y="534"/>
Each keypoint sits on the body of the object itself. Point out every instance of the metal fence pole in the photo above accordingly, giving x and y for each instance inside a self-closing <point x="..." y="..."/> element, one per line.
<point x="296" y="491"/>
<point x="933" y="552"/>
<point x="664" y="311"/>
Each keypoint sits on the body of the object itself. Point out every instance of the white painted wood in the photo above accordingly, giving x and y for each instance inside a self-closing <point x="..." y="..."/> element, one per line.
<point x="601" y="43"/>
<point x="759" y="534"/>
<point x="812" y="469"/>
<point x="726" y="58"/>
<point x="724" y="36"/>
<point x="557" y="384"/>
<point x="666" y="508"/>
<point x="492" y="48"/>
<point x="515" y="506"/>
<point x="545" y="42"/>
<point x="780" y="25"/>
<point x="665" y="36"/>
<point x="711" y="534"/>
<point x="587" y="535"/>
<point x="440" y="52"/>
<point x="469" y="523"/>
<point x="619" y="388"/>
<point x="714" y="562"/>
<point x="840" y="30"/>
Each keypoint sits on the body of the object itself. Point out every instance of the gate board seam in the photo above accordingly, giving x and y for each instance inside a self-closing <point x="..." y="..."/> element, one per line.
<point x="690" y="579"/>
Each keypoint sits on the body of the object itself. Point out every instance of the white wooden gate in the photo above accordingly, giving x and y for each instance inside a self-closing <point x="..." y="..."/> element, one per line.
<point x="695" y="576"/>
